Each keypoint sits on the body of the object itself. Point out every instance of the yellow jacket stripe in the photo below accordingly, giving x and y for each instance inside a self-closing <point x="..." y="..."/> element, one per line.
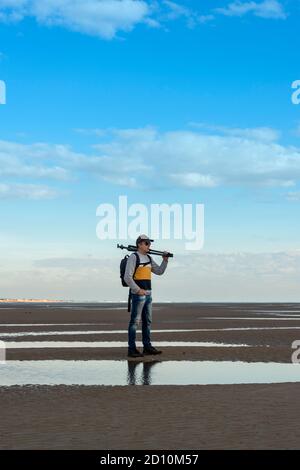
<point x="143" y="272"/>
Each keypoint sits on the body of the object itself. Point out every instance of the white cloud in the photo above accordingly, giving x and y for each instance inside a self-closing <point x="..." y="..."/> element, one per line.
<point x="194" y="180"/>
<point x="293" y="196"/>
<point x="26" y="191"/>
<point x="174" y="11"/>
<point x="232" y="276"/>
<point x="247" y="264"/>
<point x="272" y="9"/>
<point x="101" y="18"/>
<point x="105" y="18"/>
<point x="193" y="159"/>
<point x="269" y="9"/>
<point x="235" y="263"/>
<point x="69" y="263"/>
<point x="266" y="134"/>
<point x="205" y="18"/>
<point x="97" y="132"/>
<point x="31" y="161"/>
<point x="148" y="159"/>
<point x="24" y="166"/>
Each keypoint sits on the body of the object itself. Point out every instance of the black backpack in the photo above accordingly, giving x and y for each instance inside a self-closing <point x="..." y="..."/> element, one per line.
<point x="123" y="265"/>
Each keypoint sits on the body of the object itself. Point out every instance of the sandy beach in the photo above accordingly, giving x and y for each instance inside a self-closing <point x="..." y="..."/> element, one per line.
<point x="243" y="416"/>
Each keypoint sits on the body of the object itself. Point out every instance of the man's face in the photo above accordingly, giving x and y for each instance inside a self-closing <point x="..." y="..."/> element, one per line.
<point x="145" y="246"/>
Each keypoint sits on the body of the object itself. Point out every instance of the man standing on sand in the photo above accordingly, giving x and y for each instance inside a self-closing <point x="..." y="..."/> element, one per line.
<point x="137" y="276"/>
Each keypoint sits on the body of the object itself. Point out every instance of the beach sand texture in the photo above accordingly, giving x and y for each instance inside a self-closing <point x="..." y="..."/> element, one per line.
<point x="241" y="416"/>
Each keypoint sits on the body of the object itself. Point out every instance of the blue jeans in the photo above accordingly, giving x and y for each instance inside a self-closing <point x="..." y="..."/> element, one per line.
<point x="141" y="308"/>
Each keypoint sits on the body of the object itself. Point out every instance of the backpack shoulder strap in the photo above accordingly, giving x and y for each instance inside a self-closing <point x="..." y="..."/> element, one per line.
<point x="137" y="262"/>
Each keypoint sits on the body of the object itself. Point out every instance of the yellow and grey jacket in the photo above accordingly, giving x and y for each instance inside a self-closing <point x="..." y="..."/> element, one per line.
<point x="140" y="278"/>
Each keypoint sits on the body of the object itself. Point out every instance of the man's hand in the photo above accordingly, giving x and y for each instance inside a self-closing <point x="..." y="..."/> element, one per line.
<point x="141" y="292"/>
<point x="165" y="257"/>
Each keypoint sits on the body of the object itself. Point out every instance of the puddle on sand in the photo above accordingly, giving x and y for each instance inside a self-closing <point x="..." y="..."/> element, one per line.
<point x="21" y="334"/>
<point x="111" y="344"/>
<point x="89" y="332"/>
<point x="95" y="372"/>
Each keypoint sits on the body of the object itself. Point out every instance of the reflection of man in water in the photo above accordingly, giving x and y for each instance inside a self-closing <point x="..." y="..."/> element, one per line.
<point x="138" y="278"/>
<point x="146" y="374"/>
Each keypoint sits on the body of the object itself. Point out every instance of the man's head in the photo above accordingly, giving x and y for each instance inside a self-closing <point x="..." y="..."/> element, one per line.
<point x="143" y="243"/>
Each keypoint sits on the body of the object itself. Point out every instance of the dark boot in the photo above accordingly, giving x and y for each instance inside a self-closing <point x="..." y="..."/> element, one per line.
<point x="134" y="353"/>
<point x="151" y="350"/>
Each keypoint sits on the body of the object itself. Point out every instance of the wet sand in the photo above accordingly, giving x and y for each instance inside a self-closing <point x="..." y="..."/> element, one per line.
<point x="154" y="417"/>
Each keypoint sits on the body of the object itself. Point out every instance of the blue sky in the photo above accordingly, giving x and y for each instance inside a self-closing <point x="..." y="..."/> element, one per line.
<point x="175" y="102"/>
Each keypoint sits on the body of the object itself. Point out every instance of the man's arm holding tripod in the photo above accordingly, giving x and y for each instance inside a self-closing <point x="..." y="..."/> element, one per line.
<point x="159" y="269"/>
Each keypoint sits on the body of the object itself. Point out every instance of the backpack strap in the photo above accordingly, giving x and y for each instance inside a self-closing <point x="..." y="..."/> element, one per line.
<point x="129" y="301"/>
<point x="137" y="262"/>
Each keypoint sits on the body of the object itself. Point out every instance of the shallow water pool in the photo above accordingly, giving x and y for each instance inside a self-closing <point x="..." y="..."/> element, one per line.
<point x="95" y="372"/>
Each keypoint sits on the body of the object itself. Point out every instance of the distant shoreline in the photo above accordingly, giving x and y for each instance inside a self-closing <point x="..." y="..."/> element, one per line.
<point x="31" y="301"/>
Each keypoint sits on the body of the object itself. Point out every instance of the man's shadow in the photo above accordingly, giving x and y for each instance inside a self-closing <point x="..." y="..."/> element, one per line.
<point x="145" y="377"/>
